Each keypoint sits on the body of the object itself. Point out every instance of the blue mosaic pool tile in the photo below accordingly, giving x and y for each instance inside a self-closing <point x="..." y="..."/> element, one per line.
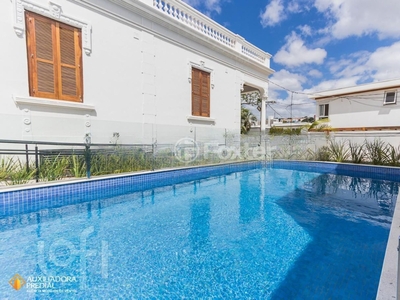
<point x="368" y="171"/>
<point x="36" y="198"/>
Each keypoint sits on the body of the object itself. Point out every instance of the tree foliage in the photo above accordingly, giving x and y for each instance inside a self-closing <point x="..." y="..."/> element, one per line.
<point x="247" y="119"/>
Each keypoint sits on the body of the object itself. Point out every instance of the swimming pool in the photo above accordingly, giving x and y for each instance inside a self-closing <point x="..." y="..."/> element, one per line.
<point x="241" y="231"/>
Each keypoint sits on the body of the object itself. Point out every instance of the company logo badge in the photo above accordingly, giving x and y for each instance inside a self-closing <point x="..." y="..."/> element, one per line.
<point x="17" y="282"/>
<point x="186" y="150"/>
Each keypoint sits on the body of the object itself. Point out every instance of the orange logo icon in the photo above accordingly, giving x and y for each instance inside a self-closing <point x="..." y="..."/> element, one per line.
<point x="17" y="282"/>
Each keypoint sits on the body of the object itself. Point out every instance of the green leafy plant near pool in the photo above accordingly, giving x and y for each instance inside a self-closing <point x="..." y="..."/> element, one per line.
<point x="376" y="152"/>
<point x="338" y="151"/>
<point x="123" y="160"/>
<point x="13" y="171"/>
<point x="320" y="125"/>
<point x="54" y="168"/>
<point x="356" y="152"/>
<point x="284" y="131"/>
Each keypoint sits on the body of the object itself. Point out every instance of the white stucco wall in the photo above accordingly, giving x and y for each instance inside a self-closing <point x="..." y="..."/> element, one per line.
<point x="362" y="110"/>
<point x="137" y="79"/>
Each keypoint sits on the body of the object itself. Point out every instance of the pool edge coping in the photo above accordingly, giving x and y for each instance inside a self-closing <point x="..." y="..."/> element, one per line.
<point x="387" y="289"/>
<point x="77" y="180"/>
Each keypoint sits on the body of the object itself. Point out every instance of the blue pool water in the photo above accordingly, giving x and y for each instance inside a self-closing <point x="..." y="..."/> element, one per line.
<point x="258" y="234"/>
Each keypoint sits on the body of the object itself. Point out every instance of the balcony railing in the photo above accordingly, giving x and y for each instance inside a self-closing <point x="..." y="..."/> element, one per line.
<point x="192" y="18"/>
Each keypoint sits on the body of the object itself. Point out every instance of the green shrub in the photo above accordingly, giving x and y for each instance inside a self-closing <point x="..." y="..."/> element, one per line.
<point x="6" y="167"/>
<point x="77" y="166"/>
<point x="53" y="168"/>
<point x="320" y="125"/>
<point x="378" y="152"/>
<point x="338" y="151"/>
<point x="19" y="174"/>
<point x="356" y="152"/>
<point x="284" y="131"/>
<point x="393" y="157"/>
<point x="322" y="154"/>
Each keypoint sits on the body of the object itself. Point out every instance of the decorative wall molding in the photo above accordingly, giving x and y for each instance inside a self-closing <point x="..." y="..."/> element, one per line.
<point x="32" y="101"/>
<point x="53" y="11"/>
<point x="201" y="66"/>
<point x="200" y="120"/>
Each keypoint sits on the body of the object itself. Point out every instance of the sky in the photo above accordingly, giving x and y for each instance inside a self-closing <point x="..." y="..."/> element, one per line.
<point x="316" y="45"/>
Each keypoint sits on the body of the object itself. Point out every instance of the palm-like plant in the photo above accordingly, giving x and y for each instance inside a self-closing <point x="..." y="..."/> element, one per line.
<point x="247" y="118"/>
<point x="378" y="151"/>
<point x="338" y="151"/>
<point x="356" y="152"/>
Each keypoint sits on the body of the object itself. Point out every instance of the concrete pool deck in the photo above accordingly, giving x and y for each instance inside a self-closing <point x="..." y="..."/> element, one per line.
<point x="387" y="289"/>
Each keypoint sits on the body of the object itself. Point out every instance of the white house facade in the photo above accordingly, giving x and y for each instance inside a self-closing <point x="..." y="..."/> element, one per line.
<point x="141" y="71"/>
<point x="368" y="107"/>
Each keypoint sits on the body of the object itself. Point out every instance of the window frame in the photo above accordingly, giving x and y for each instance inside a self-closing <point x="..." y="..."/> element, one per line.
<point x="385" y="102"/>
<point x="56" y="27"/>
<point x="204" y="110"/>
<point x="325" y="110"/>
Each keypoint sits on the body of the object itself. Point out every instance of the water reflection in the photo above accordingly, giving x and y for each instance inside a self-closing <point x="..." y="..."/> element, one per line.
<point x="355" y="193"/>
<point x="348" y="219"/>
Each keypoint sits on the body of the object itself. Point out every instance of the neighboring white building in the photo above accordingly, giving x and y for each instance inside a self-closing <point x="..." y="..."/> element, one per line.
<point x="141" y="70"/>
<point x="366" y="107"/>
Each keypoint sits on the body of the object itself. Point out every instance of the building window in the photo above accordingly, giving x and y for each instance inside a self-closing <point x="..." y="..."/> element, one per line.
<point x="200" y="93"/>
<point x="390" y="98"/>
<point x="324" y="110"/>
<point x="54" y="59"/>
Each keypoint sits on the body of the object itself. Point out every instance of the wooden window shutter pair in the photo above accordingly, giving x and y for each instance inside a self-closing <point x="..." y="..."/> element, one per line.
<point x="54" y="59"/>
<point x="200" y="93"/>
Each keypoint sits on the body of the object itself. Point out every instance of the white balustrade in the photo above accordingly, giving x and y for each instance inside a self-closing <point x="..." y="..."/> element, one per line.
<point x="190" y="17"/>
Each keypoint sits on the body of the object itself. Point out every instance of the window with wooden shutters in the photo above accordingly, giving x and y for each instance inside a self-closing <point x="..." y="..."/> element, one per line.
<point x="200" y="93"/>
<point x="54" y="59"/>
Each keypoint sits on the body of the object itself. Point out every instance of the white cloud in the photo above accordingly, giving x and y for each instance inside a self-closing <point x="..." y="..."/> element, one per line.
<point x="295" y="53"/>
<point x="362" y="17"/>
<point x="384" y="63"/>
<point x="193" y="3"/>
<point x="333" y="84"/>
<point x="209" y="5"/>
<point x="213" y="5"/>
<point x="290" y="81"/>
<point x="273" y="13"/>
<point x="351" y="65"/>
<point x="305" y="30"/>
<point x="315" y="73"/>
<point x="302" y="105"/>
<point x="294" y="7"/>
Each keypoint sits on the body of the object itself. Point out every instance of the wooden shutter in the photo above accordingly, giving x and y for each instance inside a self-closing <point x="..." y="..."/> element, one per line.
<point x="200" y="93"/>
<point x="196" y="93"/>
<point x="205" y="94"/>
<point x="70" y="63"/>
<point x="40" y="34"/>
<point x="54" y="59"/>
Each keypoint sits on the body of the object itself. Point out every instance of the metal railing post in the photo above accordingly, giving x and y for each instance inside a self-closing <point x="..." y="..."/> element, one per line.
<point x="153" y="156"/>
<point x="88" y="156"/>
<point x="37" y="163"/>
<point x="88" y="159"/>
<point x="27" y="157"/>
